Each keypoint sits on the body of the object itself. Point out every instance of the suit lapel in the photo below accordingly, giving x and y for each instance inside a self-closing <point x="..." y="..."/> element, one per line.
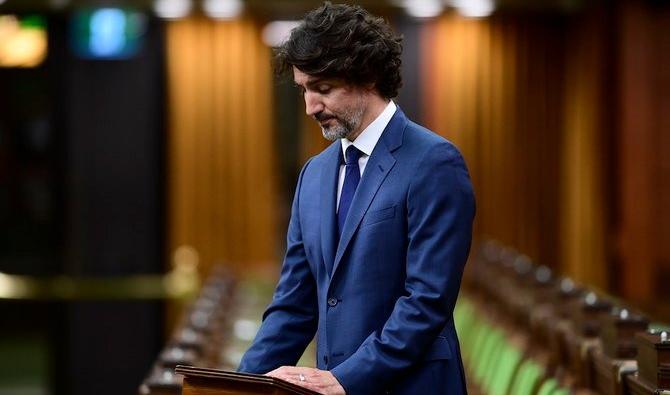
<point x="379" y="165"/>
<point x="329" y="178"/>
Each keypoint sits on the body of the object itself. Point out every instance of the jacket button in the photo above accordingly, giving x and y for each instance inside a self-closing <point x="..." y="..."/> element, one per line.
<point x="332" y="302"/>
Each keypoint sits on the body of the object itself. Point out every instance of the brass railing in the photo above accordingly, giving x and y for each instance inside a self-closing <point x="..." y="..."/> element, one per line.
<point x="182" y="282"/>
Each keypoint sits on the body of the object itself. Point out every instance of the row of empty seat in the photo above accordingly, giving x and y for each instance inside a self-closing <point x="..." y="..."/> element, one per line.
<point x="199" y="337"/>
<point x="525" y="331"/>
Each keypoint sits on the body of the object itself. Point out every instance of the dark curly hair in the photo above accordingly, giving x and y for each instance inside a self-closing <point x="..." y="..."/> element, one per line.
<point x="347" y="42"/>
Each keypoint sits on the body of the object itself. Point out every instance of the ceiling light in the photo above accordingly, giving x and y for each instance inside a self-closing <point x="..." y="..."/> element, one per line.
<point x="474" y="8"/>
<point x="222" y="9"/>
<point x="107" y="27"/>
<point x="23" y="42"/>
<point x="275" y="33"/>
<point x="172" y="9"/>
<point x="423" y="8"/>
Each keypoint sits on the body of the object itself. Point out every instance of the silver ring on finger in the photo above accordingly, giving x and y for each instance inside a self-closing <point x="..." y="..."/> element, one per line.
<point x="301" y="377"/>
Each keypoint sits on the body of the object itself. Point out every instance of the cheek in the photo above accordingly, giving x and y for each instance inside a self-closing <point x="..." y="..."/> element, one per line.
<point x="335" y="106"/>
<point x="331" y="107"/>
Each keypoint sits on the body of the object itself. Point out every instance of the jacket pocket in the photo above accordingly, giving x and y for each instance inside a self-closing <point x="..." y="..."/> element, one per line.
<point x="440" y="349"/>
<point x="372" y="217"/>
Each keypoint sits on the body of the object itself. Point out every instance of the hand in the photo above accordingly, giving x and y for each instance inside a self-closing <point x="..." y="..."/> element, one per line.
<point x="321" y="381"/>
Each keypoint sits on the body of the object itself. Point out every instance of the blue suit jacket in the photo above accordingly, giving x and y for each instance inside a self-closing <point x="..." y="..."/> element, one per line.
<point x="381" y="299"/>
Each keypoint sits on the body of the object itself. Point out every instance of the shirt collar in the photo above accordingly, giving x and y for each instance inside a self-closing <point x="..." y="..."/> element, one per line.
<point x="367" y="140"/>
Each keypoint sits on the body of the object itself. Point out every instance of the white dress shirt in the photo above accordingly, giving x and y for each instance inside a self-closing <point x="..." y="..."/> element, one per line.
<point x="366" y="142"/>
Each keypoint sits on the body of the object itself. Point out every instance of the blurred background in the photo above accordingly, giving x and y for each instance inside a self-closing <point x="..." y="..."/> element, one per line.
<point x="143" y="143"/>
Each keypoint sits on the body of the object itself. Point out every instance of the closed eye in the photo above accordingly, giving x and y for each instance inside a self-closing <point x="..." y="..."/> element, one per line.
<point x="324" y="88"/>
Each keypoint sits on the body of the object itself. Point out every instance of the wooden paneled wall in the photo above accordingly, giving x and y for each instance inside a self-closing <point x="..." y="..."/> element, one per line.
<point x="642" y="231"/>
<point x="493" y="87"/>
<point x="564" y="122"/>
<point x="586" y="141"/>
<point x="221" y="177"/>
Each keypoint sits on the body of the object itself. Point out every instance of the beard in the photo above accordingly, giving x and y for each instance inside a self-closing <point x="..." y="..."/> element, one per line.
<point x="344" y="123"/>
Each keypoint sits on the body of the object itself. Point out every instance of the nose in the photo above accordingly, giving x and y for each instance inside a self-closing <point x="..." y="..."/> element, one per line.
<point x="313" y="103"/>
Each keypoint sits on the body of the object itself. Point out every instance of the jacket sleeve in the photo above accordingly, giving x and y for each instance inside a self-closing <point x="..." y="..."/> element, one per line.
<point x="290" y="321"/>
<point x="440" y="210"/>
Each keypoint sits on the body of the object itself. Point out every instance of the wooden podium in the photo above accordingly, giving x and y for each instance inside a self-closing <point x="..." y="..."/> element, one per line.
<point x="204" y="381"/>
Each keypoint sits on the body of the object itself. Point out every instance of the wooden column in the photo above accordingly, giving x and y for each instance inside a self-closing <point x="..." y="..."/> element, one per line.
<point x="644" y="217"/>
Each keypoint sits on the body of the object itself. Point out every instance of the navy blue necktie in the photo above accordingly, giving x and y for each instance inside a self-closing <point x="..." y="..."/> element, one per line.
<point x="352" y="175"/>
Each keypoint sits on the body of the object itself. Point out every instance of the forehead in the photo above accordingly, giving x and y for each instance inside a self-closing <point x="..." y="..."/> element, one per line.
<point x="305" y="80"/>
<point x="301" y="78"/>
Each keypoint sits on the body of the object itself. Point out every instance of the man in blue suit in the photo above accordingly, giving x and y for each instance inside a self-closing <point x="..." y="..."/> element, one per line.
<point x="380" y="226"/>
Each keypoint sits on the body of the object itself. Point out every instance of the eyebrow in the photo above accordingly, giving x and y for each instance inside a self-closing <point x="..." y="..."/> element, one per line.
<point x="311" y="83"/>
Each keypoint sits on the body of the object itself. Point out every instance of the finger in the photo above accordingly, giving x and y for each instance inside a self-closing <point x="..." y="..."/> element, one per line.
<point x="292" y="370"/>
<point x="282" y="370"/>
<point x="273" y="372"/>
<point x="288" y="377"/>
<point x="297" y="382"/>
<point x="304" y="384"/>
<point x="309" y="380"/>
<point x="313" y="387"/>
<point x="280" y="374"/>
<point x="294" y="377"/>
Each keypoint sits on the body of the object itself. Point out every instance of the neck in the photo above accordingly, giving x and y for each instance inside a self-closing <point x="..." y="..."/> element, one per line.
<point x="375" y="105"/>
